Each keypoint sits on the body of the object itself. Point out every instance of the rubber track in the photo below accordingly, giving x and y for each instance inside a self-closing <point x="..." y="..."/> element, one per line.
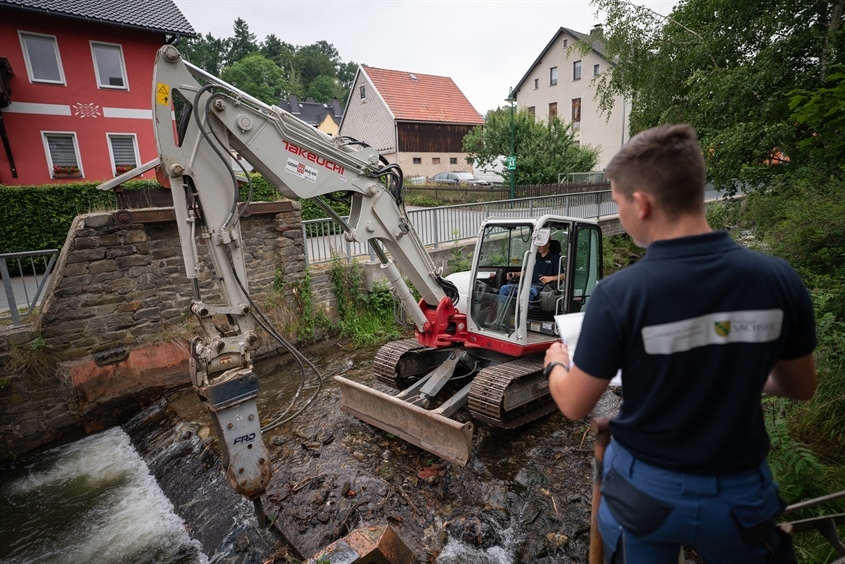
<point x="488" y="389"/>
<point x="388" y="356"/>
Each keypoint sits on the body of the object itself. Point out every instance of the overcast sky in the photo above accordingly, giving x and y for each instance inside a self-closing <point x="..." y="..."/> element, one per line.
<point x="484" y="46"/>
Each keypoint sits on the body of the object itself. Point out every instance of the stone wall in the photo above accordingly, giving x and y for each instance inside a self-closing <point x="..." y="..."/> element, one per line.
<point x="115" y="324"/>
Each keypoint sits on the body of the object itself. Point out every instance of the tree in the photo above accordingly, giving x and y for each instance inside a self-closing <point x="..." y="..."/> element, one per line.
<point x="207" y="52"/>
<point x="346" y="76"/>
<point x="280" y="52"/>
<point x="543" y="150"/>
<point x="725" y="67"/>
<point x="242" y="43"/>
<point x="257" y="76"/>
<point x="316" y="60"/>
<point x="323" y="89"/>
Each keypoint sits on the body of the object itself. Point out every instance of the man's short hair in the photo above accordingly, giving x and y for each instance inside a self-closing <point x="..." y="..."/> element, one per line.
<point x="666" y="161"/>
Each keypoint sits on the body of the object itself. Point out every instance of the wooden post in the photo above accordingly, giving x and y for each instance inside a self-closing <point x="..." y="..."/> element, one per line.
<point x="601" y="431"/>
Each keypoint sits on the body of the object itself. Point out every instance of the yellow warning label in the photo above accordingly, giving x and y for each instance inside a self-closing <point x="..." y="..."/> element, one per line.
<point x="163" y="94"/>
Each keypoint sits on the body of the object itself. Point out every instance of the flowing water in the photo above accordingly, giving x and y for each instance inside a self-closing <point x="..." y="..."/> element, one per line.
<point x="93" y="500"/>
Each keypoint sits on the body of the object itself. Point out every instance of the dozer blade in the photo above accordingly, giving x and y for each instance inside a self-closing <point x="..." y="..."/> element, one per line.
<point x="426" y="429"/>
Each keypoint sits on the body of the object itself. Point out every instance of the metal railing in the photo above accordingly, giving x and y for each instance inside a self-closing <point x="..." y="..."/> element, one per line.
<point x="435" y="226"/>
<point x="28" y="283"/>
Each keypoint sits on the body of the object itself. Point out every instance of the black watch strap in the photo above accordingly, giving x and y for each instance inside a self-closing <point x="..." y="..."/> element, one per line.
<point x="549" y="367"/>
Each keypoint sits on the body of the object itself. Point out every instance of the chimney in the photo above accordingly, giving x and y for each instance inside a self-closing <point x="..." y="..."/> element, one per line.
<point x="294" y="105"/>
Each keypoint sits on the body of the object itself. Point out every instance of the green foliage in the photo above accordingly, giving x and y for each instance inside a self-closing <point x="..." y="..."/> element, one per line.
<point x="366" y="318"/>
<point x="820" y="114"/>
<point x="543" y="149"/>
<point x="39" y="217"/>
<point x="291" y="307"/>
<point x="206" y="52"/>
<point x="728" y="68"/>
<point x="258" y="77"/>
<point x="793" y="464"/>
<point x="315" y="70"/>
<point x="323" y="89"/>
<point x="619" y="251"/>
<point x="242" y="44"/>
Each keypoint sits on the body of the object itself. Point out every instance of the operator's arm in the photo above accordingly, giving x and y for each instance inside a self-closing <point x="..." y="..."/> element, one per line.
<point x="794" y="378"/>
<point x="575" y="392"/>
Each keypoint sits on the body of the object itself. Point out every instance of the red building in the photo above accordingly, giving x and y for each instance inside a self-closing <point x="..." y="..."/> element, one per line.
<point x="75" y="86"/>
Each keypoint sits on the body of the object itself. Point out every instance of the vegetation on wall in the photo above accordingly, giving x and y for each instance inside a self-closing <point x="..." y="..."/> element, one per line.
<point x="366" y="318"/>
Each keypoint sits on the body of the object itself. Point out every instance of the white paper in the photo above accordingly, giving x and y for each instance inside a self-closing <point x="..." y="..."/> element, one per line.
<point x="569" y="328"/>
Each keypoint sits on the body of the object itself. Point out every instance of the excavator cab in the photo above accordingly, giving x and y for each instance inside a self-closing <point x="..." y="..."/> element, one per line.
<point x="507" y="295"/>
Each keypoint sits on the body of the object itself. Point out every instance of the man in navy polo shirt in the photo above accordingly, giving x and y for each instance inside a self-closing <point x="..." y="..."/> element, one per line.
<point x="545" y="272"/>
<point x="700" y="327"/>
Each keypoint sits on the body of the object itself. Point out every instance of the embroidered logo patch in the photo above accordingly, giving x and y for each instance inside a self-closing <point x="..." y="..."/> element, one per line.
<point x="723" y="328"/>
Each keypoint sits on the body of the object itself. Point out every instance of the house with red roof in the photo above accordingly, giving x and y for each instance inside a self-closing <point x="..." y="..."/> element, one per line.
<point x="75" y="86"/>
<point x="417" y="121"/>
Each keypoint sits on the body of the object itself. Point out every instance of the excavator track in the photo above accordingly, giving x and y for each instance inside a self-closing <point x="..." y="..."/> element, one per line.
<point x="401" y="363"/>
<point x="511" y="394"/>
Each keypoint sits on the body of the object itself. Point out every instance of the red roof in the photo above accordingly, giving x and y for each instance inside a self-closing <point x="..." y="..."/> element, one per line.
<point x="423" y="97"/>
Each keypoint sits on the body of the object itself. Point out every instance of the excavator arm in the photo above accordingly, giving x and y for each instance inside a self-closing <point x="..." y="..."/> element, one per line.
<point x="300" y="162"/>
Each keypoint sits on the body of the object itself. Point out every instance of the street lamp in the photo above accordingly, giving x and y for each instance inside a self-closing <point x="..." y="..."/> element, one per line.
<point x="511" y="162"/>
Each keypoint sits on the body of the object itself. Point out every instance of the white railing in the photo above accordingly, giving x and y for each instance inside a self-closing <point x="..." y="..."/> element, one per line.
<point x="323" y="238"/>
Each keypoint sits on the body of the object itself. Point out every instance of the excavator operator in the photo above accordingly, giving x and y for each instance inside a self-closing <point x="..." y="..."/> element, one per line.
<point x="545" y="270"/>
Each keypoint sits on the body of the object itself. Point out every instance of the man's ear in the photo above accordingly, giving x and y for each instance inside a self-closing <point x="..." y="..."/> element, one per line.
<point x="643" y="203"/>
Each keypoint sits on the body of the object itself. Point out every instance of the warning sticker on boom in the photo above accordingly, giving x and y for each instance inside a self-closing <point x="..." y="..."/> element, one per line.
<point x="162" y="94"/>
<point x="301" y="170"/>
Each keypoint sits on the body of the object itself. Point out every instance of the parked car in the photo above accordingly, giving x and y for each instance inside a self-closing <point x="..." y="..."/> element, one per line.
<point x="458" y="178"/>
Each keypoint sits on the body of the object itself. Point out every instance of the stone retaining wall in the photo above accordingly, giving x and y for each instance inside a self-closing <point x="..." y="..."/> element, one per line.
<point x="115" y="320"/>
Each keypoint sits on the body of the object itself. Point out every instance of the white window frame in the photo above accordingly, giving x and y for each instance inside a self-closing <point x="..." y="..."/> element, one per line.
<point x="554" y="71"/>
<point x="29" y="72"/>
<point x="134" y="146"/>
<point x="49" y="156"/>
<point x="596" y="69"/>
<point x="97" y="68"/>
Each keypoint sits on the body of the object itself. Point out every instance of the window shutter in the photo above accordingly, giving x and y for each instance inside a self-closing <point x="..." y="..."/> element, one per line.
<point x="123" y="150"/>
<point x="62" y="151"/>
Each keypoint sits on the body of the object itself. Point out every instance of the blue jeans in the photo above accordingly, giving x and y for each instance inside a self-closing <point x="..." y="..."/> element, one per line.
<point x="726" y="517"/>
<point x="506" y="290"/>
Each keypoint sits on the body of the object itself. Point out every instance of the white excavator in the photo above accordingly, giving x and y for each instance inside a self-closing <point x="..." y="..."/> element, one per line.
<point x="473" y="346"/>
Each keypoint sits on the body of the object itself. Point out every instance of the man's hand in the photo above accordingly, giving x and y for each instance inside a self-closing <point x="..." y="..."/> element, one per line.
<point x="575" y="392"/>
<point x="558" y="352"/>
<point x="512" y="275"/>
<point x="549" y="279"/>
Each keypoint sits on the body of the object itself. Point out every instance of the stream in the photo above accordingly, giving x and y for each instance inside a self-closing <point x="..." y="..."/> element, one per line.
<point x="153" y="491"/>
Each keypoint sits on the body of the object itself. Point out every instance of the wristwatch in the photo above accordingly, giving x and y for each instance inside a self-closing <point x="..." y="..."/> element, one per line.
<point x="551" y="366"/>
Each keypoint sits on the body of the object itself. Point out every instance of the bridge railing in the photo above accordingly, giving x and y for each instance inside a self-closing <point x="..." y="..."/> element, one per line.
<point x="23" y="291"/>
<point x="435" y="226"/>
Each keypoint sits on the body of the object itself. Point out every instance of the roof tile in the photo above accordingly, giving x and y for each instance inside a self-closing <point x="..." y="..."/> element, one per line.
<point x="422" y="97"/>
<point x="154" y="15"/>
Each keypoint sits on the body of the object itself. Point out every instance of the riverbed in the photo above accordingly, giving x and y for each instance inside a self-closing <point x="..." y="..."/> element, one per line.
<point x="523" y="497"/>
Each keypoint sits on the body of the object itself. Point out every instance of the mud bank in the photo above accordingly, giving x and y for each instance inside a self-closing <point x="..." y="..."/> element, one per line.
<point x="523" y="497"/>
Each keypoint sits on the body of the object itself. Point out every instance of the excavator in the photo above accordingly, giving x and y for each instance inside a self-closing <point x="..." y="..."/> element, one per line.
<point x="473" y="346"/>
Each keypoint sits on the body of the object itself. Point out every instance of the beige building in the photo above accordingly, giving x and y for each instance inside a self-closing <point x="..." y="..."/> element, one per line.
<point x="417" y="121"/>
<point x="561" y="82"/>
